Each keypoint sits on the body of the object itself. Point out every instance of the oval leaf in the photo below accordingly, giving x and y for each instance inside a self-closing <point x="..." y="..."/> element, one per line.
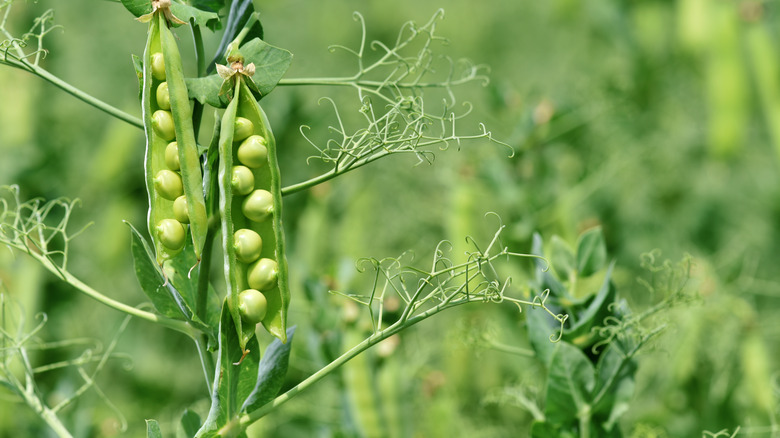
<point x="591" y="252"/>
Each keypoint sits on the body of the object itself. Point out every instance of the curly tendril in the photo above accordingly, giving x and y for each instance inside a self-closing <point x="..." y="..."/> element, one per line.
<point x="394" y="114"/>
<point x="446" y="284"/>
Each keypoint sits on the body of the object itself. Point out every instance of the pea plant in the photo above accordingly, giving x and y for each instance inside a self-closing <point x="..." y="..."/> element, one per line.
<point x="225" y="198"/>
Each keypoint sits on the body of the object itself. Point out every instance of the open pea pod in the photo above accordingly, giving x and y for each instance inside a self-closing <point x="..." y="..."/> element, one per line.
<point x="251" y="209"/>
<point x="173" y="173"/>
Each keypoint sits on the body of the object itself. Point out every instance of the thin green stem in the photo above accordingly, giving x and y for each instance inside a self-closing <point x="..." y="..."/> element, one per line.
<point x="75" y="92"/>
<point x="203" y="274"/>
<point x="355" y="80"/>
<point x="585" y="425"/>
<point x="247" y="419"/>
<point x="67" y="277"/>
<point x="254" y="18"/>
<point x="336" y="171"/>
<point x="500" y="346"/>
<point x="206" y="360"/>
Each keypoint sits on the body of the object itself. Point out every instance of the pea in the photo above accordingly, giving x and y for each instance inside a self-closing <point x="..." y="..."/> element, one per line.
<point x="163" y="96"/>
<point x="263" y="274"/>
<point x="243" y="180"/>
<point x="248" y="245"/>
<point x="252" y="305"/>
<point x="180" y="210"/>
<point x="253" y="152"/>
<point x="158" y="66"/>
<point x="168" y="184"/>
<point x="250" y="192"/>
<point x="162" y="122"/>
<point x="173" y="172"/>
<point x="171" y="234"/>
<point x="172" y="156"/>
<point x="242" y="129"/>
<point x="258" y="206"/>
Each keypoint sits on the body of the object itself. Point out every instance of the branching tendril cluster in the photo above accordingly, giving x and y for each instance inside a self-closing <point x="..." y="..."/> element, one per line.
<point x="446" y="284"/>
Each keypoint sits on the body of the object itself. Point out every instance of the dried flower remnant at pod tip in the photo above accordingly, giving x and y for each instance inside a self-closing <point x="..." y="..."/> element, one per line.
<point x="165" y="7"/>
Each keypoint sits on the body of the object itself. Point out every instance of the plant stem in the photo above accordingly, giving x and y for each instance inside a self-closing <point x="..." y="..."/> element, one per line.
<point x="355" y="81"/>
<point x="67" y="277"/>
<point x="336" y="171"/>
<point x="247" y="419"/>
<point x="77" y="93"/>
<point x="203" y="274"/>
<point x="254" y="18"/>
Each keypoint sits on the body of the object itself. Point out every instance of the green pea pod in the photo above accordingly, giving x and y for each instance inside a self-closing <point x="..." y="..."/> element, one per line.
<point x="166" y="109"/>
<point x="249" y="265"/>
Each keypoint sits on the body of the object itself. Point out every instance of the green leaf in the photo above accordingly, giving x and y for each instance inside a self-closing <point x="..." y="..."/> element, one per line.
<point x="138" y="7"/>
<point x="543" y="429"/>
<point x="153" y="429"/>
<point x="190" y="423"/>
<point x="615" y="380"/>
<point x="540" y="331"/>
<point x="270" y="373"/>
<point x="570" y="382"/>
<point x="271" y="63"/>
<point x="151" y="278"/>
<point x="232" y="382"/>
<point x="183" y="11"/>
<point x="202" y="90"/>
<point x="591" y="252"/>
<point x="562" y="257"/>
<point x="201" y="18"/>
<point x="594" y="314"/>
<point x="544" y="278"/>
<point x="208" y="5"/>
<point x="138" y="64"/>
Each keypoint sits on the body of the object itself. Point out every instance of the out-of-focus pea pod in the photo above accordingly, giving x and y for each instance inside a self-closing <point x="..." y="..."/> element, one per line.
<point x="172" y="165"/>
<point x="693" y="20"/>
<point x="727" y="86"/>
<point x="763" y="55"/>
<point x="257" y="187"/>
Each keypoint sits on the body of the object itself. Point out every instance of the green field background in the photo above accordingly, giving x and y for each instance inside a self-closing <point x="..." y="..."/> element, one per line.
<point x="657" y="120"/>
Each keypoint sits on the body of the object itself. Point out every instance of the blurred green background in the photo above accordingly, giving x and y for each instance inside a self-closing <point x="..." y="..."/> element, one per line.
<point x="658" y="120"/>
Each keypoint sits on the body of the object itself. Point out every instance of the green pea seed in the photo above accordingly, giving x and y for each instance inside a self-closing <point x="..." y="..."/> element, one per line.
<point x="243" y="180"/>
<point x="242" y="128"/>
<point x="172" y="156"/>
<point x="248" y="245"/>
<point x="158" y="66"/>
<point x="258" y="206"/>
<point x="163" y="96"/>
<point x="168" y="184"/>
<point x="263" y="274"/>
<point x="252" y="305"/>
<point x="180" y="210"/>
<point x="171" y="233"/>
<point x="162" y="123"/>
<point x="253" y="152"/>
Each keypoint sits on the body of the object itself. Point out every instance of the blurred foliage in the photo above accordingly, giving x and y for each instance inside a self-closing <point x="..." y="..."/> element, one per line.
<point x="656" y="120"/>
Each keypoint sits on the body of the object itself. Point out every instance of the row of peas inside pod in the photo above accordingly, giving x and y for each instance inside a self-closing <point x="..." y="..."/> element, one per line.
<point x="257" y="209"/>
<point x="168" y="181"/>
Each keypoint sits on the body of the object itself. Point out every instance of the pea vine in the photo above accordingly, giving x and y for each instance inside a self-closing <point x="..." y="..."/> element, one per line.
<point x="393" y="117"/>
<point x="445" y="285"/>
<point x="41" y="230"/>
<point x="18" y="374"/>
<point x="17" y="52"/>
<point x="425" y="293"/>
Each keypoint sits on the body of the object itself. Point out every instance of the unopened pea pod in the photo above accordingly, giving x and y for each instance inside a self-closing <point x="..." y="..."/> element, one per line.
<point x="250" y="205"/>
<point x="172" y="165"/>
